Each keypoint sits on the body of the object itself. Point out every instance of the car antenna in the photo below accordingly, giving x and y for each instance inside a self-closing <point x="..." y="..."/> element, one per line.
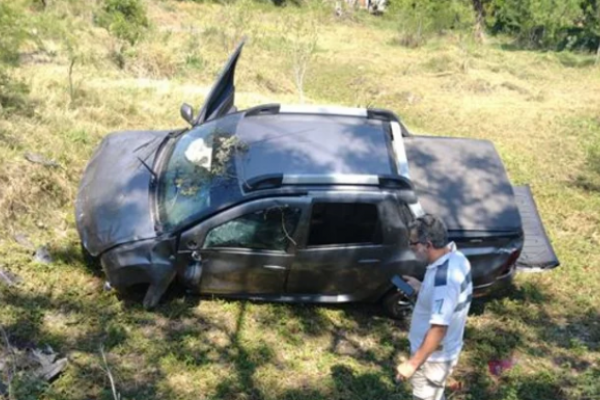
<point x="149" y="169"/>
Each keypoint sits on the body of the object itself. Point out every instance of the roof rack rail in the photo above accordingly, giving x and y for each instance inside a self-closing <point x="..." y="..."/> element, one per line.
<point x="270" y="181"/>
<point x="382" y="114"/>
<point x="268" y="109"/>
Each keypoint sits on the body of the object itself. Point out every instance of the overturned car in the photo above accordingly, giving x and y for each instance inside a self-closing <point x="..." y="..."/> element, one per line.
<point x="297" y="204"/>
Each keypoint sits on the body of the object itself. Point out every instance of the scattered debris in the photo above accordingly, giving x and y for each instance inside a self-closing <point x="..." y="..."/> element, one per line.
<point x="39" y="159"/>
<point x="24" y="241"/>
<point x="43" y="255"/>
<point x="40" y="363"/>
<point x="49" y="367"/>
<point x="498" y="367"/>
<point x="9" y="278"/>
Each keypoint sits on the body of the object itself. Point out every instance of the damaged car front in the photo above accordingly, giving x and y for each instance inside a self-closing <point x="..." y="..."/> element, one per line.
<point x="137" y="193"/>
<point x="140" y="187"/>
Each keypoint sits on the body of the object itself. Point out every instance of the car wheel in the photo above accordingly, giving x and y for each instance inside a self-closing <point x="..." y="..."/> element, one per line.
<point x="397" y="306"/>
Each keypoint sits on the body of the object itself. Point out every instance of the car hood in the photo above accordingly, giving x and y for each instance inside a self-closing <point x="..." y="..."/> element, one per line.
<point x="113" y="204"/>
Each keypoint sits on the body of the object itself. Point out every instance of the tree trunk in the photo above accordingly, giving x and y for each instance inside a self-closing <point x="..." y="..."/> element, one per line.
<point x="479" y="30"/>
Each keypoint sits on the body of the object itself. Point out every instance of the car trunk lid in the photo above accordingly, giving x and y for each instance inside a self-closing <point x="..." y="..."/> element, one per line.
<point x="464" y="182"/>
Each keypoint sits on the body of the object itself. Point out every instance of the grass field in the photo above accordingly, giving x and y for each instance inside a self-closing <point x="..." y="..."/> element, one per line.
<point x="542" y="111"/>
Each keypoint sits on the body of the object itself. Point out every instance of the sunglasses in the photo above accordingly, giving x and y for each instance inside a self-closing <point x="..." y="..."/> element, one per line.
<point x="413" y="244"/>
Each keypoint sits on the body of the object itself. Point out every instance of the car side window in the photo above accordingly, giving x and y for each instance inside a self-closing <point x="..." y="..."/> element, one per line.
<point x="344" y="223"/>
<point x="269" y="229"/>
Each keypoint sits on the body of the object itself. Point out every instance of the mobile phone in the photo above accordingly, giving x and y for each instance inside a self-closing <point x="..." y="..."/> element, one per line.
<point x="403" y="286"/>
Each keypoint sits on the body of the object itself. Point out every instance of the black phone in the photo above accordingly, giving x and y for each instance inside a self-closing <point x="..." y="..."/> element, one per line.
<point x="403" y="286"/>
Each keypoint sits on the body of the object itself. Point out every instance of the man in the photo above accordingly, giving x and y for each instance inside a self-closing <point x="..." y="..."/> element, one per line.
<point x="440" y="313"/>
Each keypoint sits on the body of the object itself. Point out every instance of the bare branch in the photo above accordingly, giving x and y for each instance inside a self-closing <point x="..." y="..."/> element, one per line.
<point x="284" y="229"/>
<point x="71" y="88"/>
<point x="14" y="360"/>
<point x="116" y="395"/>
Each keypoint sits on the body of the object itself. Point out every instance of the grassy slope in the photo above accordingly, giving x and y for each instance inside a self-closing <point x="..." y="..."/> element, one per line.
<point x="541" y="111"/>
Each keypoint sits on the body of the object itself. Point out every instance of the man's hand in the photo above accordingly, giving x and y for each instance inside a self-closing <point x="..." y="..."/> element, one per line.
<point x="404" y="371"/>
<point x="413" y="282"/>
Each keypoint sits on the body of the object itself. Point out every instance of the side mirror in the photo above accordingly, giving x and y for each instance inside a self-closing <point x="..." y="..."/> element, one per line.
<point x="187" y="113"/>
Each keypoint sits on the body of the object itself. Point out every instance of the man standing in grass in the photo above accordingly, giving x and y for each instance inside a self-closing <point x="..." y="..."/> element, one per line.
<point x="440" y="314"/>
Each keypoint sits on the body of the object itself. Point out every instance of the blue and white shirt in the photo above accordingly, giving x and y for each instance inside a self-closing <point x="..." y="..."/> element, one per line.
<point x="444" y="299"/>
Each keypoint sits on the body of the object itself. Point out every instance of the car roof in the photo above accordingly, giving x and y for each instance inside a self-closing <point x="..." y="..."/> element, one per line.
<point x="315" y="141"/>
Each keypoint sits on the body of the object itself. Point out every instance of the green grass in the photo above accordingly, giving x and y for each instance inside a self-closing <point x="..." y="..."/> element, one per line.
<point x="540" y="109"/>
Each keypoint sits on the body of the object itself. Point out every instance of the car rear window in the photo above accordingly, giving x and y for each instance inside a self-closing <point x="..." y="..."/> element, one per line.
<point x="343" y="224"/>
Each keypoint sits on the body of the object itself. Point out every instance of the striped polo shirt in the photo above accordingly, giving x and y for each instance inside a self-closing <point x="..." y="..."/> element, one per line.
<point x="444" y="299"/>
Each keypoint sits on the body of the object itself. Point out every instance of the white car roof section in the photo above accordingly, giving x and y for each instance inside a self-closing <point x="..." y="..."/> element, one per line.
<point x="402" y="163"/>
<point x="332" y="179"/>
<point x="322" y="110"/>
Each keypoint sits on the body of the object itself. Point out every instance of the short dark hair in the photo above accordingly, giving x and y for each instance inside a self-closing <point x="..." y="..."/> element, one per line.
<point x="430" y="228"/>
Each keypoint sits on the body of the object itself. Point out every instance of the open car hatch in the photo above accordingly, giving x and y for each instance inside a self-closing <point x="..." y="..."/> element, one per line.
<point x="537" y="253"/>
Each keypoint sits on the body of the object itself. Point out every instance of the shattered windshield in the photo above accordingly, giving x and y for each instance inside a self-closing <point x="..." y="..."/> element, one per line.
<point x="200" y="175"/>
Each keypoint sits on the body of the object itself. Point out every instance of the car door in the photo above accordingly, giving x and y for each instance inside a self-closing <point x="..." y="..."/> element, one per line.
<point x="247" y="250"/>
<point x="221" y="98"/>
<point x="343" y="250"/>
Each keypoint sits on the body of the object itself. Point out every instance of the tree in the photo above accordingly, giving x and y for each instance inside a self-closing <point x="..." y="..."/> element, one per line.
<point x="479" y="20"/>
<point x="12" y="34"/>
<point x="536" y="23"/>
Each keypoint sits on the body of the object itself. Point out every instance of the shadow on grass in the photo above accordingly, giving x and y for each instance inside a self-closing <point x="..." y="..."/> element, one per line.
<point x="196" y="339"/>
<point x="521" y="324"/>
<point x="589" y="182"/>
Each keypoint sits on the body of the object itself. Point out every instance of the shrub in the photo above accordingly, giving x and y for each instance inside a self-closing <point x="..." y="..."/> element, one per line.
<point x="419" y="20"/>
<point x="125" y="19"/>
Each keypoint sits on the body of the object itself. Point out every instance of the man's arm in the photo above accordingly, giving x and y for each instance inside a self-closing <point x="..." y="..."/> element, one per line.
<point x="433" y="338"/>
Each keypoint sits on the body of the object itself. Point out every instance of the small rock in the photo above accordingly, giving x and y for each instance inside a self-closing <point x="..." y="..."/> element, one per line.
<point x="39" y="159"/>
<point x="9" y="278"/>
<point x="24" y="241"/>
<point x="43" y="255"/>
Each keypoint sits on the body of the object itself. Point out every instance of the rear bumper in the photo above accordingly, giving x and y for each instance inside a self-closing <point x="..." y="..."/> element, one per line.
<point x="501" y="283"/>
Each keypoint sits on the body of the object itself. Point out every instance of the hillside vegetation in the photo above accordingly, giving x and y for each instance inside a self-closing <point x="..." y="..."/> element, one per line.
<point x="73" y="71"/>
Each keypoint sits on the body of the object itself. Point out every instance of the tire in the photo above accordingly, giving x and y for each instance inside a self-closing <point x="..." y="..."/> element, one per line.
<point x="397" y="306"/>
<point x="89" y="260"/>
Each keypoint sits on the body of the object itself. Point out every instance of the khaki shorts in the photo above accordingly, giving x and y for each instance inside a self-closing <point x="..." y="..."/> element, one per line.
<point x="429" y="381"/>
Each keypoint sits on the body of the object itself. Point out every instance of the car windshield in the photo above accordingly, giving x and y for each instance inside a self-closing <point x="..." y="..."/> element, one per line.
<point x="199" y="174"/>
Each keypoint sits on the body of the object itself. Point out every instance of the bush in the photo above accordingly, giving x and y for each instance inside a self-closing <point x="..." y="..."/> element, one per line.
<point x="13" y="94"/>
<point x="125" y="19"/>
<point x="419" y="20"/>
<point x="12" y="34"/>
<point x="593" y="156"/>
<point x="548" y="24"/>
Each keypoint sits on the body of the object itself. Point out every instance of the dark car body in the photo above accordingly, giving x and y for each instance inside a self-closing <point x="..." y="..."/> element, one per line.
<point x="297" y="203"/>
